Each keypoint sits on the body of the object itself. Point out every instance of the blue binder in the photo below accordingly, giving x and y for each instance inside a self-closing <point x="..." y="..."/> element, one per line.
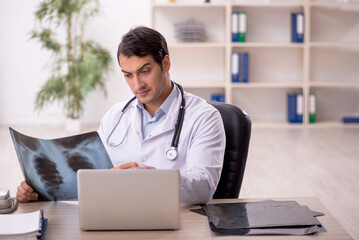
<point x="292" y="105"/>
<point x="297" y="27"/>
<point x="218" y="97"/>
<point x="350" y="119"/>
<point x="295" y="107"/>
<point x="244" y="67"/>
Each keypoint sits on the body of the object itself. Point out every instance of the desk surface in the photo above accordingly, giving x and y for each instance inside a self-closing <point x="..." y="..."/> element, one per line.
<point x="63" y="223"/>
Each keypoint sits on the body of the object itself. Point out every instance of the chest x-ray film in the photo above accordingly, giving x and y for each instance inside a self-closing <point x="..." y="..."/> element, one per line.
<point x="50" y="166"/>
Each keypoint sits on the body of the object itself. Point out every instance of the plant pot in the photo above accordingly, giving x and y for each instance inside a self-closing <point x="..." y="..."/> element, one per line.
<point x="72" y="125"/>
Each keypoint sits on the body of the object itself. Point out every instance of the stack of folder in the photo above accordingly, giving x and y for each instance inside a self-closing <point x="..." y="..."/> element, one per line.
<point x="239" y="26"/>
<point x="240" y="67"/>
<point x="23" y="226"/>
<point x="262" y="218"/>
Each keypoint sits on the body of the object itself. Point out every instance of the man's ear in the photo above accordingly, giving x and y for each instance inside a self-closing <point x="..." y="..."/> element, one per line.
<point x="166" y="63"/>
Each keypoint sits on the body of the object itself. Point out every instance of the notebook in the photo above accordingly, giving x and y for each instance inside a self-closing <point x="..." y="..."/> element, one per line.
<point x="128" y="199"/>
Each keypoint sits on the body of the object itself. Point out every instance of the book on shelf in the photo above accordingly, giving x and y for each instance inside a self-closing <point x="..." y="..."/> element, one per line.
<point x="312" y="107"/>
<point x="23" y="226"/>
<point x="239" y="26"/>
<point x="297" y="27"/>
<point x="218" y="97"/>
<point x="295" y="107"/>
<point x="240" y="67"/>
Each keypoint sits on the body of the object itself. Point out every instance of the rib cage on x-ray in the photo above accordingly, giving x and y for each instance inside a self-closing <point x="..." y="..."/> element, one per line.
<point x="50" y="166"/>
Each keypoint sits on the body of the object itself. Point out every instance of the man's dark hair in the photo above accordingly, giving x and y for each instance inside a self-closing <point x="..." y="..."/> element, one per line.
<point x="143" y="41"/>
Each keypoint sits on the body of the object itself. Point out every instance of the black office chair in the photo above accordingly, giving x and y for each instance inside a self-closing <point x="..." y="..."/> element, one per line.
<point x="237" y="125"/>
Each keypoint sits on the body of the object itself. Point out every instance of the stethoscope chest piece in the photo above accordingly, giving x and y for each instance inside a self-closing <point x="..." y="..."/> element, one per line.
<point x="171" y="153"/>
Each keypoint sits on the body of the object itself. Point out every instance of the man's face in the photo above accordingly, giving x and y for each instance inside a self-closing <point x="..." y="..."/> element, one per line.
<point x="148" y="82"/>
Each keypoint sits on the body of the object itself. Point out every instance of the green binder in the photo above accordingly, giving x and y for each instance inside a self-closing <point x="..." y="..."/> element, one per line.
<point x="312" y="107"/>
<point x="242" y="26"/>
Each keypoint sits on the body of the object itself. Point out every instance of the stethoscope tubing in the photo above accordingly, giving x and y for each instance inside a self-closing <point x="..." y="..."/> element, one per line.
<point x="171" y="153"/>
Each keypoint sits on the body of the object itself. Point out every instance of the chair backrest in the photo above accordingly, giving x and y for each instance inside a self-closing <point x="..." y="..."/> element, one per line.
<point x="237" y="125"/>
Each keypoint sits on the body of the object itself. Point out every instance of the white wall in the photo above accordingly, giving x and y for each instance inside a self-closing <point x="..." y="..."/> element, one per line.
<point x="22" y="61"/>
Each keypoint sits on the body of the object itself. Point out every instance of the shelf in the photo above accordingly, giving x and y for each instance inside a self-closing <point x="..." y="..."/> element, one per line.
<point x="326" y="64"/>
<point x="197" y="45"/>
<point x="334" y="44"/>
<point x="268" y="85"/>
<point x="334" y="84"/>
<point x="188" y="4"/>
<point x="334" y="3"/>
<point x="201" y="84"/>
<point x="268" y="44"/>
<point x="267" y="3"/>
<point x="332" y="124"/>
<point x="276" y="124"/>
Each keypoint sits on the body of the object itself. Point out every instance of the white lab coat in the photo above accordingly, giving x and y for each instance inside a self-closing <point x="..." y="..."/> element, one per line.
<point x="200" y="149"/>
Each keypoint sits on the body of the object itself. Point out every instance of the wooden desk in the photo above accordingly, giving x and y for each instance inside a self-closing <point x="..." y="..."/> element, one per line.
<point x="63" y="223"/>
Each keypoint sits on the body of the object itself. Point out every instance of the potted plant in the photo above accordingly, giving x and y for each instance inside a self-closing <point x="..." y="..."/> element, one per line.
<point x="78" y="66"/>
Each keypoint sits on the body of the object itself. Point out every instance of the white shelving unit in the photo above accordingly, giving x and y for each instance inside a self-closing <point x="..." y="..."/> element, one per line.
<point x="327" y="63"/>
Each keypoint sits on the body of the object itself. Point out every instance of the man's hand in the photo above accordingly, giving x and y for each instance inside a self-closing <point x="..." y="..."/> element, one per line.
<point x="25" y="193"/>
<point x="132" y="165"/>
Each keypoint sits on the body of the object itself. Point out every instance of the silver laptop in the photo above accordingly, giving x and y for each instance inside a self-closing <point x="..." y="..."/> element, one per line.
<point x="128" y="199"/>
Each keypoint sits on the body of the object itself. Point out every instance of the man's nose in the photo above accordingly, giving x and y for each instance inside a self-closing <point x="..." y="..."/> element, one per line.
<point x="138" y="83"/>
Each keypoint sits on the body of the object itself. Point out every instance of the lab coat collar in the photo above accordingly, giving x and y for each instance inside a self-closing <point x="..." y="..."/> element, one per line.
<point x="130" y="123"/>
<point x="168" y="124"/>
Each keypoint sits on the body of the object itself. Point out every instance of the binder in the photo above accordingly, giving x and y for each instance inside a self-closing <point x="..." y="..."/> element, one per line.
<point x="218" y="97"/>
<point x="242" y="26"/>
<point x="297" y="27"/>
<point x="350" y="119"/>
<point x="234" y="29"/>
<point x="292" y="105"/>
<point x="295" y="107"/>
<point x="244" y="67"/>
<point x="235" y="67"/>
<point x="221" y="97"/>
<point x="312" y="107"/>
<point x="299" y="109"/>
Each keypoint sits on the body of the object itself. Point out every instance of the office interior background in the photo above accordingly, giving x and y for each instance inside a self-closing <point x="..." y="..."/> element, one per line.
<point x="285" y="160"/>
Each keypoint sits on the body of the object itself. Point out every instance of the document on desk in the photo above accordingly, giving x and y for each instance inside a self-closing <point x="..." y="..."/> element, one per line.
<point x="23" y="226"/>
<point x="50" y="166"/>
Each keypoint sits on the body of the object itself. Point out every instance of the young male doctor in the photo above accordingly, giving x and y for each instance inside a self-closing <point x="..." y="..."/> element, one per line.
<point x="162" y="126"/>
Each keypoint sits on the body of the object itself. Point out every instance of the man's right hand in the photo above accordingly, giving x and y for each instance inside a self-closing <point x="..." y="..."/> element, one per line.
<point x="25" y="193"/>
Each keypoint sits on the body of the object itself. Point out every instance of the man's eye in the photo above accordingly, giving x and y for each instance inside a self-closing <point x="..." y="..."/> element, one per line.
<point x="145" y="71"/>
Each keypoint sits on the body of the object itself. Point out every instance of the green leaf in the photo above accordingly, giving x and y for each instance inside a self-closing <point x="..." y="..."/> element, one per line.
<point x="47" y="39"/>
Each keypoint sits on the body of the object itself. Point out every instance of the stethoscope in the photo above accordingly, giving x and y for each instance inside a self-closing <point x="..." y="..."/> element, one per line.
<point x="171" y="153"/>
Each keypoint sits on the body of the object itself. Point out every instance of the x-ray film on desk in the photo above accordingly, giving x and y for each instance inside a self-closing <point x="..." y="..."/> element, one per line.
<point x="50" y="166"/>
<point x="262" y="218"/>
